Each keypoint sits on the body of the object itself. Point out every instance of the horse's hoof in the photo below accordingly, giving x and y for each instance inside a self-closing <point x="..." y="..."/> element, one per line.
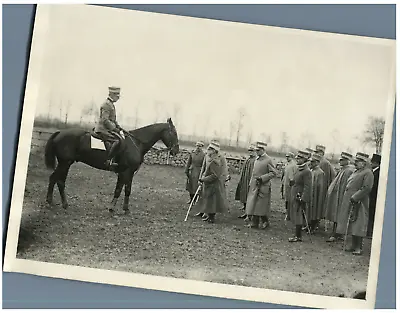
<point x="65" y="206"/>
<point x="126" y="211"/>
<point x="111" y="211"/>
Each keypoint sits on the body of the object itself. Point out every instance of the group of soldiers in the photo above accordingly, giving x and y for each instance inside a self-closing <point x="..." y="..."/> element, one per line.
<point x="312" y="189"/>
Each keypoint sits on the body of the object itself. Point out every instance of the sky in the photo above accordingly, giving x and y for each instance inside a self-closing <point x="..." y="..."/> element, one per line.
<point x="306" y="84"/>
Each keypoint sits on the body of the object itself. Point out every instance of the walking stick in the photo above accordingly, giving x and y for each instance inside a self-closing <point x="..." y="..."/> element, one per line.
<point x="298" y="198"/>
<point x="307" y="225"/>
<point x="347" y="227"/>
<point x="192" y="202"/>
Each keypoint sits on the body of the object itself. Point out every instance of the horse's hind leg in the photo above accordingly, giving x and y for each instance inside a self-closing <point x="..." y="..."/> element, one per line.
<point x="63" y="173"/>
<point x="52" y="181"/>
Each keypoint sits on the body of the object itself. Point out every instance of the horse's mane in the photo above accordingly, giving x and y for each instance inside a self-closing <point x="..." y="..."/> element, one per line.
<point x="142" y="133"/>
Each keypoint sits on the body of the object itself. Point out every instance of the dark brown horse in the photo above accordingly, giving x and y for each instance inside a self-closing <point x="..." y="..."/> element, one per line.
<point x="74" y="145"/>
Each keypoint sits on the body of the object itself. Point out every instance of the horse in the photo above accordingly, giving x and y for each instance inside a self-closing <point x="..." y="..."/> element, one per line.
<point x="74" y="145"/>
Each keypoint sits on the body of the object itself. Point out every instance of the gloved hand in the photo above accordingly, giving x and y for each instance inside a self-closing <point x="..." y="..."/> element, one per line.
<point x="121" y="132"/>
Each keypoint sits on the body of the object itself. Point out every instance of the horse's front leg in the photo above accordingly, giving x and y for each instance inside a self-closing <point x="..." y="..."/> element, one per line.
<point x="117" y="192"/>
<point x="128" y="189"/>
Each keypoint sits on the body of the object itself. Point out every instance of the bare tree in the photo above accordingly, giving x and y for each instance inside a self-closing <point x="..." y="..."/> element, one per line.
<point x="157" y="106"/>
<point x="249" y="136"/>
<point x="67" y="108"/>
<point x="231" y="131"/>
<point x="303" y="139"/>
<point x="176" y="113"/>
<point x="60" y="110"/>
<point x="89" y="112"/>
<point x="266" y="138"/>
<point x="207" y="122"/>
<point x="284" y="139"/>
<point x="136" y="119"/>
<point x="373" y="133"/>
<point x="239" y="124"/>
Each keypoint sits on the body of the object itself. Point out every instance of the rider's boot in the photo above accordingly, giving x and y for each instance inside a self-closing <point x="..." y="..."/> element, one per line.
<point x="110" y="159"/>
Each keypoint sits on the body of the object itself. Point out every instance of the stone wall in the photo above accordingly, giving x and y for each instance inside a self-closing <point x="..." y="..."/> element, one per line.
<point x="155" y="156"/>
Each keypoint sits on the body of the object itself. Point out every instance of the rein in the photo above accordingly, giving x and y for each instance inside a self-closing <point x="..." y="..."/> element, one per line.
<point x="131" y="137"/>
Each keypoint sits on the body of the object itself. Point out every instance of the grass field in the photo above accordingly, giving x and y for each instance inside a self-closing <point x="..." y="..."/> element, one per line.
<point x="155" y="240"/>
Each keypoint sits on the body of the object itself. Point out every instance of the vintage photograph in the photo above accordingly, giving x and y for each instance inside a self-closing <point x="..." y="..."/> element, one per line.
<point x="203" y="151"/>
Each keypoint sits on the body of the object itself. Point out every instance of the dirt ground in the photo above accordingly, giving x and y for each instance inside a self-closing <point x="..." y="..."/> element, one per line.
<point x="154" y="239"/>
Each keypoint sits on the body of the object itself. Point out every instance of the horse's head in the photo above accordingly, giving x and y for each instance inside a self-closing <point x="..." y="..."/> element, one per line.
<point x="170" y="138"/>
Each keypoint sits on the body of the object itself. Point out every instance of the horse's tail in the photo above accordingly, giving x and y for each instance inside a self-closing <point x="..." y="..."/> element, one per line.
<point x="49" y="152"/>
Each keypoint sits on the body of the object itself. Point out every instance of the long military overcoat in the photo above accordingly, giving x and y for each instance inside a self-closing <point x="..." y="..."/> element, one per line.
<point x="316" y="209"/>
<point x="259" y="197"/>
<point x="335" y="194"/>
<point x="289" y="171"/>
<point x="302" y="186"/>
<point x="192" y="170"/>
<point x="212" y="195"/>
<point x="242" y="189"/>
<point x="329" y="176"/>
<point x="358" y="187"/>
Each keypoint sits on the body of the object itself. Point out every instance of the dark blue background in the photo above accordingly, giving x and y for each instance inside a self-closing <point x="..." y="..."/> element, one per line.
<point x="28" y="291"/>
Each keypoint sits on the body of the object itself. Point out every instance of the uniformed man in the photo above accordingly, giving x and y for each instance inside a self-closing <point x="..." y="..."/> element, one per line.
<point x="300" y="194"/>
<point x="225" y="173"/>
<point x="287" y="181"/>
<point x="213" y="179"/>
<point x="336" y="191"/>
<point x="107" y="126"/>
<point x="259" y="198"/>
<point x="242" y="189"/>
<point x="354" y="211"/>
<point x="193" y="168"/>
<point x="315" y="212"/>
<point x="328" y="169"/>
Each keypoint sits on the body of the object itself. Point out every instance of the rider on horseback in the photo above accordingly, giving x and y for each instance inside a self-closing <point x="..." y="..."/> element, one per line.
<point x="107" y="127"/>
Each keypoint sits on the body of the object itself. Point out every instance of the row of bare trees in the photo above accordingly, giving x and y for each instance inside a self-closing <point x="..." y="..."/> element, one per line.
<point x="371" y="135"/>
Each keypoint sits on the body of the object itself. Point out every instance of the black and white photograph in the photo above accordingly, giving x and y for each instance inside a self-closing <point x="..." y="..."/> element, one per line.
<point x="202" y="156"/>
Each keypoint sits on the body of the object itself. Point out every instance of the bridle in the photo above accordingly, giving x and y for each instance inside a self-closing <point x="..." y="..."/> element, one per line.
<point x="170" y="145"/>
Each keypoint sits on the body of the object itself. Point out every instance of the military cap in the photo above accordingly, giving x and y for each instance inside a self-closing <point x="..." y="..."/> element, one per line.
<point x="316" y="157"/>
<point x="346" y="156"/>
<point x="114" y="89"/>
<point x="303" y="154"/>
<point x="362" y="156"/>
<point x="261" y="145"/>
<point x="214" y="144"/>
<point x="199" y="144"/>
<point x="320" y="148"/>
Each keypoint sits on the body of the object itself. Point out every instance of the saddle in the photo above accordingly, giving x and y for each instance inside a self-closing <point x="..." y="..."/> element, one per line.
<point x="106" y="140"/>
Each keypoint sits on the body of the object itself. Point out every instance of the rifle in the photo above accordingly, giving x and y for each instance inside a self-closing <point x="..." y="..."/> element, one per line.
<point x="196" y="195"/>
